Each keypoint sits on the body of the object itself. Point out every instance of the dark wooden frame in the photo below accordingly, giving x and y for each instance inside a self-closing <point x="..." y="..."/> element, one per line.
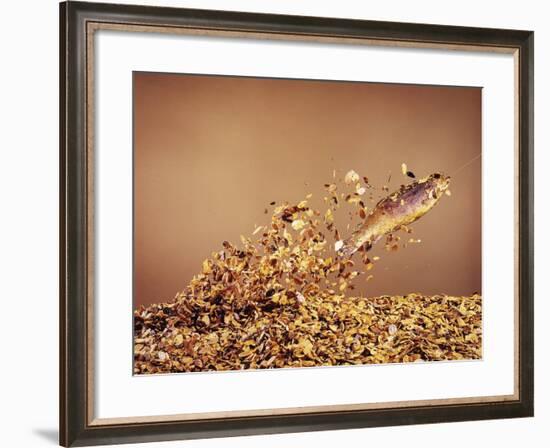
<point x="76" y="427"/>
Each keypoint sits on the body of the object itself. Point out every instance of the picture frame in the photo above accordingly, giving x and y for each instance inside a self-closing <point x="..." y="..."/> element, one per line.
<point x="79" y="23"/>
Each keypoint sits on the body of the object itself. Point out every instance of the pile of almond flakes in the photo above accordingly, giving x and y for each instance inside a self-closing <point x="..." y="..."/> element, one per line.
<point x="284" y="299"/>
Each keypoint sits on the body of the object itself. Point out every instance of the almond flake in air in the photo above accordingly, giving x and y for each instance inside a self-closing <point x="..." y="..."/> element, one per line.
<point x="351" y="177"/>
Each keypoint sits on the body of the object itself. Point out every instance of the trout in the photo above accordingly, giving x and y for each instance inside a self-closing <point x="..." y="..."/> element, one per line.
<point x="400" y="208"/>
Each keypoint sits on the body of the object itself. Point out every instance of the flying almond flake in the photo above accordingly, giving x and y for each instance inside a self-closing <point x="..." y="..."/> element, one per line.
<point x="351" y="177"/>
<point x="298" y="224"/>
<point x="284" y="298"/>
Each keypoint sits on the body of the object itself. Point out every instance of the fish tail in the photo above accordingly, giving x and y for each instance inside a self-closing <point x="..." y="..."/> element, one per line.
<point x="351" y="245"/>
<point x="348" y="249"/>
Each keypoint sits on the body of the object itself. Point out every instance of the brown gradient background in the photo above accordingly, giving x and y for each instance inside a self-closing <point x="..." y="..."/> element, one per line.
<point x="211" y="152"/>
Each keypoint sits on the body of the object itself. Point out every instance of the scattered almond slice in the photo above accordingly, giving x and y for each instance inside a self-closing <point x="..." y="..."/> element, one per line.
<point x="298" y="224"/>
<point x="351" y="177"/>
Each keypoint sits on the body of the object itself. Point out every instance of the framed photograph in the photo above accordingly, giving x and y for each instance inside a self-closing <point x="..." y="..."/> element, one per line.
<point x="278" y="223"/>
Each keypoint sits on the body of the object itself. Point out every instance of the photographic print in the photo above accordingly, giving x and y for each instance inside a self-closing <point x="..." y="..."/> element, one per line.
<point x="258" y="205"/>
<point x="284" y="223"/>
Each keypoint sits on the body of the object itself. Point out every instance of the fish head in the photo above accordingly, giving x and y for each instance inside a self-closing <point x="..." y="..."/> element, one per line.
<point x="424" y="193"/>
<point x="434" y="186"/>
<point x="438" y="183"/>
<point x="418" y="198"/>
<point x="415" y="199"/>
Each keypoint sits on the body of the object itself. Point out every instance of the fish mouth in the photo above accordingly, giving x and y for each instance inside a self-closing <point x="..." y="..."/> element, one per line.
<point x="441" y="182"/>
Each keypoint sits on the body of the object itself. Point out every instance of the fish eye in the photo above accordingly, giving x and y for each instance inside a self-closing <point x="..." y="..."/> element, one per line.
<point x="437" y="176"/>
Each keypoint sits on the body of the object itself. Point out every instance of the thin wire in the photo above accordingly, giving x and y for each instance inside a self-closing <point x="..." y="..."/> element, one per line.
<point x="466" y="164"/>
